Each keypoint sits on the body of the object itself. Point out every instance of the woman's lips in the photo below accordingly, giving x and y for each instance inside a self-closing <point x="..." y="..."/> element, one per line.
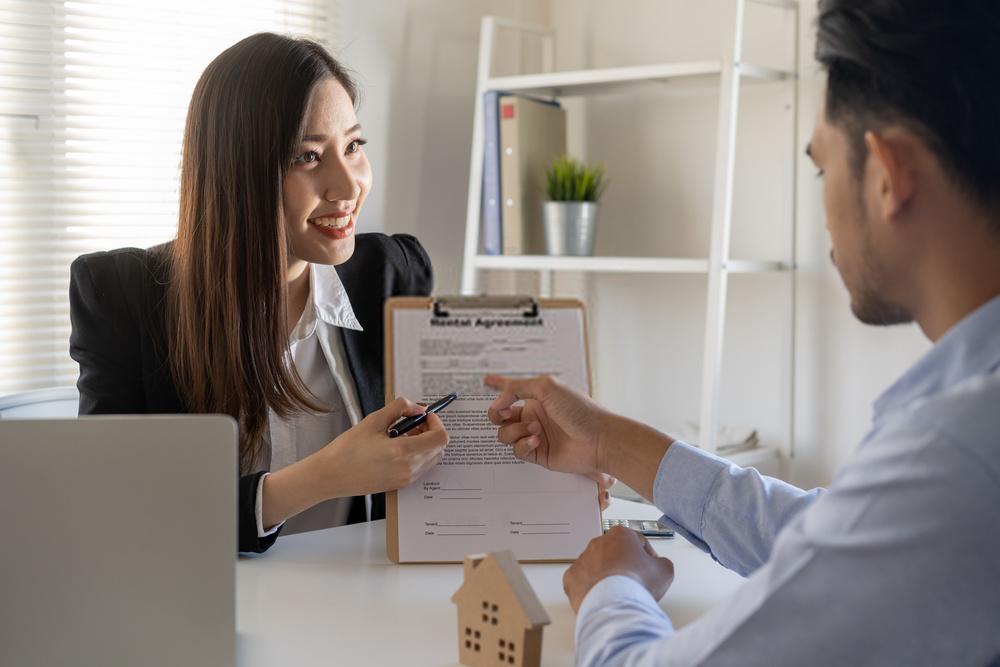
<point x="332" y="220"/>
<point x="344" y="228"/>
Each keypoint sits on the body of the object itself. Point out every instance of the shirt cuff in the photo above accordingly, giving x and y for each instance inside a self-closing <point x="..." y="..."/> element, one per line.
<point x="614" y="590"/>
<point x="259" y="510"/>
<point x="684" y="485"/>
<point x="617" y="616"/>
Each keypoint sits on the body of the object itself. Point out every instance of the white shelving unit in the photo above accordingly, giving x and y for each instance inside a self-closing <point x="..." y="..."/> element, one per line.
<point x="729" y="74"/>
<point x="620" y="264"/>
<point x="617" y="79"/>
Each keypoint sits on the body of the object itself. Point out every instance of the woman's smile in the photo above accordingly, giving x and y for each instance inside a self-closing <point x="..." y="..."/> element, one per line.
<point x="337" y="219"/>
<point x="339" y="227"/>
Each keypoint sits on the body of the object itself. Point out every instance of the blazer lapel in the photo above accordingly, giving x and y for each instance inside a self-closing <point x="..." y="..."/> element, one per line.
<point x="366" y="367"/>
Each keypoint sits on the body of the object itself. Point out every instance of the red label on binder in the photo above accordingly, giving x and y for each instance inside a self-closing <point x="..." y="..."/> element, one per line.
<point x="507" y="110"/>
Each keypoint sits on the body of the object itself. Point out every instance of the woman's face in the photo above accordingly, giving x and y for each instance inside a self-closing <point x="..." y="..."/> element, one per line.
<point x="328" y="180"/>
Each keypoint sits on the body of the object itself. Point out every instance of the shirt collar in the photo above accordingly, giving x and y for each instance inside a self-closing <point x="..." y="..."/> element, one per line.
<point x="971" y="347"/>
<point x="330" y="299"/>
<point x="328" y="303"/>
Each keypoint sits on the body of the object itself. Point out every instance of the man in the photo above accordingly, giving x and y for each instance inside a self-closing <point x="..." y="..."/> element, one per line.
<point x="898" y="563"/>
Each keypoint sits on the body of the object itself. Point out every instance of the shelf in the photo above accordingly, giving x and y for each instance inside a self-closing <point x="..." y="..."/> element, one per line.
<point x="587" y="82"/>
<point x="780" y="4"/>
<point x="619" y="264"/>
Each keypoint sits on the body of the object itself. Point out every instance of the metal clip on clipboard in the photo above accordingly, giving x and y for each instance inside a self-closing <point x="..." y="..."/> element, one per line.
<point x="526" y="304"/>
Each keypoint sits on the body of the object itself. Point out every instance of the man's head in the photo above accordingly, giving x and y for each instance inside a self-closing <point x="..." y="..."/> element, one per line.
<point x="909" y="121"/>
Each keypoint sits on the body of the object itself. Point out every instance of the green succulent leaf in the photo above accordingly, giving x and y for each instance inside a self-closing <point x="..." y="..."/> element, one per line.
<point x="570" y="180"/>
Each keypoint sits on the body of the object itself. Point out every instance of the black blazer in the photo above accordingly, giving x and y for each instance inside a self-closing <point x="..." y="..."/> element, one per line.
<point x="119" y="338"/>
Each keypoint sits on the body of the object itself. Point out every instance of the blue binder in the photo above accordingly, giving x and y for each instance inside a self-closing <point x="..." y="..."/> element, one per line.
<point x="491" y="205"/>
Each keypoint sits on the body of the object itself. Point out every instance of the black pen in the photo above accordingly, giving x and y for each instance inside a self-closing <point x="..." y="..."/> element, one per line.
<point x="409" y="423"/>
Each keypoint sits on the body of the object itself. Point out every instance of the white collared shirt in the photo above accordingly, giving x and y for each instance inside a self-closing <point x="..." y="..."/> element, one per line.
<point x="317" y="351"/>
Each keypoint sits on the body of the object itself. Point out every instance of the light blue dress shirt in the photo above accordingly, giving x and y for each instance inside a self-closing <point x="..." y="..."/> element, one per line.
<point x="897" y="563"/>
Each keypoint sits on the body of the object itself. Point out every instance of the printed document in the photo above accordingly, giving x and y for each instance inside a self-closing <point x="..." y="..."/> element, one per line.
<point x="480" y="497"/>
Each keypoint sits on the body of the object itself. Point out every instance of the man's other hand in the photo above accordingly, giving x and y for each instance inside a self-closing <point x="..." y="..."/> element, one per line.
<point x="620" y="551"/>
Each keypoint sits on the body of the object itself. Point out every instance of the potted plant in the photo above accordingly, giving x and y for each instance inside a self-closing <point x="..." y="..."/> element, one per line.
<point x="570" y="214"/>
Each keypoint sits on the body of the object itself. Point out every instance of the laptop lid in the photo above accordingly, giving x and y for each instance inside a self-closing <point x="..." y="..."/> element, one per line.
<point x="119" y="542"/>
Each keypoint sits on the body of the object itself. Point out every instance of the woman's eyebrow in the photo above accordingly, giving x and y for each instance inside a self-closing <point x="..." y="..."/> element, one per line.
<point x="319" y="138"/>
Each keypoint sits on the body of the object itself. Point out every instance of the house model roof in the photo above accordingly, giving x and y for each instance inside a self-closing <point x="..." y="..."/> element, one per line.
<point x="486" y="571"/>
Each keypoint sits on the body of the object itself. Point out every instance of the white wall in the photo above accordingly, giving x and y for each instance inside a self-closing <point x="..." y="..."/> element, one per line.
<point x="416" y="61"/>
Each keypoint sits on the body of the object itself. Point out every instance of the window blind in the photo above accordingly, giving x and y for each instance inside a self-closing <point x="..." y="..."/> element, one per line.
<point x="93" y="96"/>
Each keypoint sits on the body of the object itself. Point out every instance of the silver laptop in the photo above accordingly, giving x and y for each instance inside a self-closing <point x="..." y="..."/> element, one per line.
<point x="119" y="541"/>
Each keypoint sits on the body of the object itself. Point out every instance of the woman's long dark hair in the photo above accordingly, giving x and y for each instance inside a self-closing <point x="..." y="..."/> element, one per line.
<point x="226" y="307"/>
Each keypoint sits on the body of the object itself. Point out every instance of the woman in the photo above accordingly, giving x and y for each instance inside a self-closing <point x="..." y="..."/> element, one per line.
<point x="266" y="306"/>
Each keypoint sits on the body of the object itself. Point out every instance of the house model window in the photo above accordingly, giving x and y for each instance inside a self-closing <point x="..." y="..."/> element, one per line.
<point x="500" y="619"/>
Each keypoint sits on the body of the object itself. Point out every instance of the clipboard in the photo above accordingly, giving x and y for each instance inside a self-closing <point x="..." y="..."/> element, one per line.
<point x="526" y="307"/>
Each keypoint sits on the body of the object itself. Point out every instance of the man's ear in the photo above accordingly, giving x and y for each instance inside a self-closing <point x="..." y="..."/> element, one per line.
<point x="894" y="162"/>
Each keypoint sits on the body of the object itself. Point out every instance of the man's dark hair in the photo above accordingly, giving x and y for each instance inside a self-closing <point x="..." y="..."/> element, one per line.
<point x="930" y="65"/>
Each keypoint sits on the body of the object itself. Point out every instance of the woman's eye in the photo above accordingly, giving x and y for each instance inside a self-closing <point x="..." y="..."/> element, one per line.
<point x="306" y="158"/>
<point x="356" y="145"/>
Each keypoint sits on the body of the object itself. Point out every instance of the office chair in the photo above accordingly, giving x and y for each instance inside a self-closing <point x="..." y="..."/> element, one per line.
<point x="41" y="403"/>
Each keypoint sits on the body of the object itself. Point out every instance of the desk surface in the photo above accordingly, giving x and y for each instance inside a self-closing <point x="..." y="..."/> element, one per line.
<point x="332" y="597"/>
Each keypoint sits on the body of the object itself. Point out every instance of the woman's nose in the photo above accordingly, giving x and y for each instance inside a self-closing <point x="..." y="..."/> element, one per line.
<point x="341" y="185"/>
<point x="335" y="196"/>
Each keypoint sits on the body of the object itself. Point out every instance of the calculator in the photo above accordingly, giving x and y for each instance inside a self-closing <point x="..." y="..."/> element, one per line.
<point x="648" y="527"/>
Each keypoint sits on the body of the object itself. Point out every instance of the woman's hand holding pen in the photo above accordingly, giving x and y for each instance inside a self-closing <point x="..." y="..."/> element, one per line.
<point x="554" y="427"/>
<point x="365" y="459"/>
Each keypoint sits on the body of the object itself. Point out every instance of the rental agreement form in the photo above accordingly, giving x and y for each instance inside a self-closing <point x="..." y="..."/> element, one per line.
<point x="480" y="497"/>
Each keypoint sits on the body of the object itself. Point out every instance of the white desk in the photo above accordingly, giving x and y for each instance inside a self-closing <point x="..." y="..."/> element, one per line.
<point x="332" y="597"/>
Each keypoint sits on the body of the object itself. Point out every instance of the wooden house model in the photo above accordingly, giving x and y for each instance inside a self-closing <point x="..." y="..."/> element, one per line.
<point x="500" y="619"/>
